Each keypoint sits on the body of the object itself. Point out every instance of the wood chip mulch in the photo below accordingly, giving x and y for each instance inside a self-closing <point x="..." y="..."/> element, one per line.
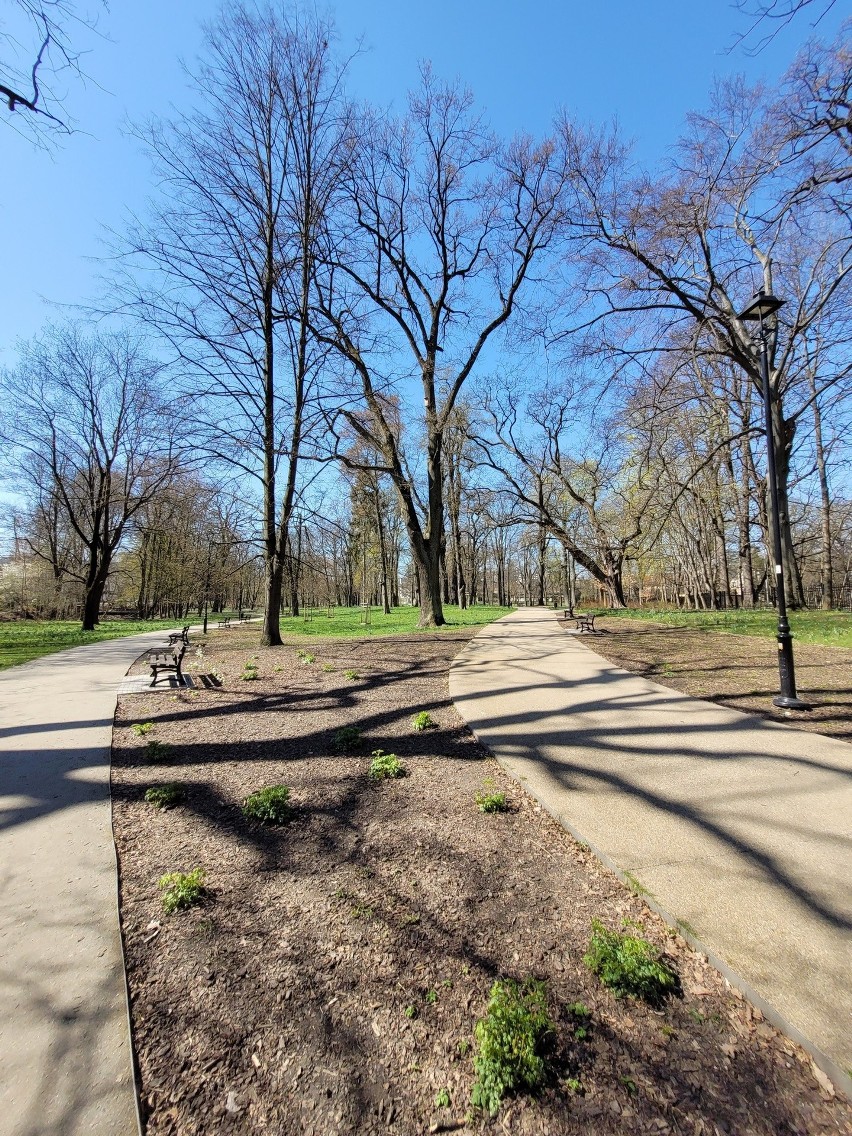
<point x="740" y="671"/>
<point x="331" y="981"/>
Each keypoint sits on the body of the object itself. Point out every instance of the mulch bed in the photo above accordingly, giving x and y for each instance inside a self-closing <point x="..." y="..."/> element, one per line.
<point x="283" y="1004"/>
<point x="740" y="671"/>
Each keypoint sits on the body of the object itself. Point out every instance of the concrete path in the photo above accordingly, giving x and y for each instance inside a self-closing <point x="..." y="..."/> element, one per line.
<point x="738" y="827"/>
<point x="65" y="1056"/>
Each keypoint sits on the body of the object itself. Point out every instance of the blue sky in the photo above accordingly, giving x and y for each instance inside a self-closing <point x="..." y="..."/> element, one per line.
<point x="645" y="64"/>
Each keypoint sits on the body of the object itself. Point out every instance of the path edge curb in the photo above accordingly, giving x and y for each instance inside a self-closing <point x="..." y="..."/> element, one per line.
<point x="134" y="1063"/>
<point x="841" y="1080"/>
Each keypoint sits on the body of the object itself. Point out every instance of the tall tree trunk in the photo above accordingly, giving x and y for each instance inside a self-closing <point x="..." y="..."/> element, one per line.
<point x="826" y="570"/>
<point x="784" y="430"/>
<point x="542" y="565"/>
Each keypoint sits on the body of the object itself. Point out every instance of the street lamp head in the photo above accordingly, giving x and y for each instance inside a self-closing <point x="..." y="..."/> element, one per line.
<point x="763" y="305"/>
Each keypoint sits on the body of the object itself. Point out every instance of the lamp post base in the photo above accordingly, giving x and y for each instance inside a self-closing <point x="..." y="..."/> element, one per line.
<point x="788" y="703"/>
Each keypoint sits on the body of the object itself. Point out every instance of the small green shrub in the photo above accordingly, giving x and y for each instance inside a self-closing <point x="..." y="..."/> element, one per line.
<point x="182" y="889"/>
<point x="270" y="805"/>
<point x="492" y="802"/>
<point x="422" y="721"/>
<point x="351" y="674"/>
<point x="410" y="1012"/>
<point x="431" y="997"/>
<point x="157" y="751"/>
<point x="629" y="965"/>
<point x="347" y="738"/>
<point x="165" y="796"/>
<point x="511" y="1040"/>
<point x="249" y="671"/>
<point x="140" y="729"/>
<point x="442" y="1098"/>
<point x="580" y="1011"/>
<point x="306" y="658"/>
<point x="385" y="765"/>
<point x="362" y="911"/>
<point x="328" y="667"/>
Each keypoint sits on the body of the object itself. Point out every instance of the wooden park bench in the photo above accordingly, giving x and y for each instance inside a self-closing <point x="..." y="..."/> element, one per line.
<point x="168" y="659"/>
<point x="181" y="636"/>
<point x="226" y="622"/>
<point x="585" y="622"/>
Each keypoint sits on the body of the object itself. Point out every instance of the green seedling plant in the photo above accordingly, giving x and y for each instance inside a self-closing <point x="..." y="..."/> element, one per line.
<point x="328" y="667"/>
<point x="422" y="721"/>
<point x="306" y="658"/>
<point x="157" y="751"/>
<point x="629" y="965"/>
<point x="181" y="890"/>
<point x="492" y="802"/>
<point x="511" y="1040"/>
<point x="249" y="672"/>
<point x="347" y="738"/>
<point x="140" y="729"/>
<point x="442" y="1098"/>
<point x="165" y="796"/>
<point x="431" y="997"/>
<point x="362" y="911"/>
<point x="269" y="805"/>
<point x="385" y="765"/>
<point x="410" y="1012"/>
<point x="580" y="1012"/>
<point x="351" y="674"/>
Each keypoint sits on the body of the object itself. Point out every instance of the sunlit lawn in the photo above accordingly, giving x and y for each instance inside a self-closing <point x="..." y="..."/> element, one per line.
<point x="348" y="622"/>
<point x="28" y="639"/>
<point x="830" y="628"/>
<point x="31" y="638"/>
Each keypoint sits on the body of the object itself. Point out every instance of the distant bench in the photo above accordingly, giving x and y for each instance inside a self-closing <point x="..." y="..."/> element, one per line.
<point x="585" y="622"/>
<point x="225" y="622"/>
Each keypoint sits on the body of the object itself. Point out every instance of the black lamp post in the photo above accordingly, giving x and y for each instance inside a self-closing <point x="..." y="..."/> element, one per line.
<point x="763" y="305"/>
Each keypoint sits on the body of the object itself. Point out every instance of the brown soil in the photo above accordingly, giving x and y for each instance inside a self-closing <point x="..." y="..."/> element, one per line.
<point x="740" y="671"/>
<point x="280" y="1005"/>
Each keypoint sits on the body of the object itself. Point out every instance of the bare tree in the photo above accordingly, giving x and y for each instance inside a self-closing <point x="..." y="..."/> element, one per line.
<point x="441" y="228"/>
<point x="672" y="260"/>
<point x="91" y="436"/>
<point x="768" y="17"/>
<point x="246" y="183"/>
<point x="593" y="498"/>
<point x="38" y="38"/>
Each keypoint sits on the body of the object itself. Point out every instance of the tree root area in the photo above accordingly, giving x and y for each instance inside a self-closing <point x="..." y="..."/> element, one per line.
<point x="332" y="979"/>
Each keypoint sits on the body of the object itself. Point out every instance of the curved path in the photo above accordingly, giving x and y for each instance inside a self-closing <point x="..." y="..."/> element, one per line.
<point x="739" y="828"/>
<point x="65" y="1055"/>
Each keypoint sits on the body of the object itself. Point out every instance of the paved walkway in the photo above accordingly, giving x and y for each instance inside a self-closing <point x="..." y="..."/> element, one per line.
<point x="739" y="827"/>
<point x="65" y="1057"/>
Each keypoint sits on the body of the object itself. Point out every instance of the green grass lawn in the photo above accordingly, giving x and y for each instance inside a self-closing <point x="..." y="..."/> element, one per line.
<point x="829" y="628"/>
<point x="31" y="638"/>
<point x="348" y="622"/>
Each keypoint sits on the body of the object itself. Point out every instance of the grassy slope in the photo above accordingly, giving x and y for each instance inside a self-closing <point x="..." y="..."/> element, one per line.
<point x="829" y="628"/>
<point x="31" y="638"/>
